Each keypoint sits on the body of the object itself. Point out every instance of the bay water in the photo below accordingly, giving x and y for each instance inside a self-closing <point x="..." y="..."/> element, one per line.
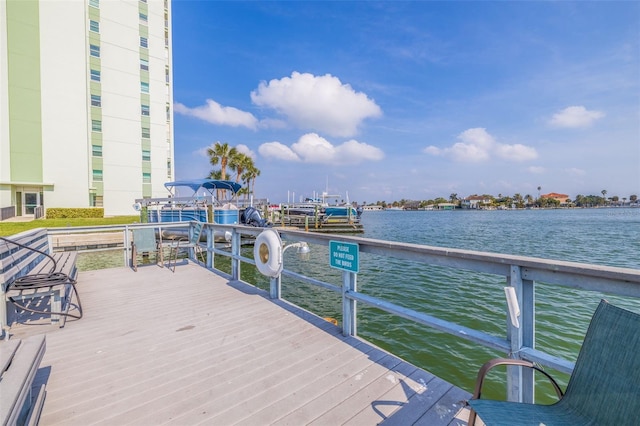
<point x="605" y="236"/>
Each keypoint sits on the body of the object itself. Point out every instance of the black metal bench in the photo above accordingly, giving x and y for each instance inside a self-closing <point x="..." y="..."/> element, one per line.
<point x="20" y="402"/>
<point x="34" y="280"/>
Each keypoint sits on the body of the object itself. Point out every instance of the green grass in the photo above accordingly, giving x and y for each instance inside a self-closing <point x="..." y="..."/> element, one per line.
<point x="11" y="228"/>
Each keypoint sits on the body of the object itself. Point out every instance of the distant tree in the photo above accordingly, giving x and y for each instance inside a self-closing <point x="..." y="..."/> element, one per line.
<point x="539" y="188"/>
<point x="453" y="198"/>
<point x="633" y="198"/>
<point x="529" y="199"/>
<point x="604" y="195"/>
<point x="517" y="198"/>
<point x="249" y="177"/>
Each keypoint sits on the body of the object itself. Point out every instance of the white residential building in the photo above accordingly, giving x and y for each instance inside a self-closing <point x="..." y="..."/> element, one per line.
<point x="86" y="103"/>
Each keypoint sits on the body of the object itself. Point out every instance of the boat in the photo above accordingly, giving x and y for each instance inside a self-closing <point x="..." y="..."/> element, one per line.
<point x="207" y="200"/>
<point x="317" y="214"/>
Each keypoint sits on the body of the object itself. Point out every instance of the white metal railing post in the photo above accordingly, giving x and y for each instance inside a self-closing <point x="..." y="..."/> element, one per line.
<point x="235" y="254"/>
<point x="275" y="287"/>
<point x="127" y="246"/>
<point x="519" y="379"/>
<point x="528" y="326"/>
<point x="210" y="246"/>
<point x="349" y="284"/>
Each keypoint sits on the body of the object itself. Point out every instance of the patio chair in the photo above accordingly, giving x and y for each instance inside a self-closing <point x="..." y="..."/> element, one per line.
<point x="144" y="241"/>
<point x="604" y="387"/>
<point x="191" y="242"/>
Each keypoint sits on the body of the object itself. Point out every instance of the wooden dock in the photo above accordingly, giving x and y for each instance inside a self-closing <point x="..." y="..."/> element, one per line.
<point x="192" y="347"/>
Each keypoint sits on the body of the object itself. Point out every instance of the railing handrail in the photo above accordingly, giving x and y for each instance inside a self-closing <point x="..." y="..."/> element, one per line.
<point x="521" y="272"/>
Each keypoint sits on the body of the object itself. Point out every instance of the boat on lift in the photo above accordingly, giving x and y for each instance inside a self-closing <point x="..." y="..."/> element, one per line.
<point x="207" y="200"/>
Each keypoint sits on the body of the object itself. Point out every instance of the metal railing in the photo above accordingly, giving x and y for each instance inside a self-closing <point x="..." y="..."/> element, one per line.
<point x="520" y="272"/>
<point x="7" y="212"/>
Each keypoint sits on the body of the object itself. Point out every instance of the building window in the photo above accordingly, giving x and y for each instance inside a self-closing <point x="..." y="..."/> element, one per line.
<point x="143" y="18"/>
<point x="146" y="155"/>
<point x="95" y="75"/>
<point x="96" y="126"/>
<point x="144" y="87"/>
<point x="144" y="109"/>
<point x="144" y="64"/>
<point x="96" y="150"/>
<point x="144" y="42"/>
<point x="146" y="132"/>
<point x="97" y="175"/>
<point x="96" y="100"/>
<point x="94" y="50"/>
<point x="146" y="177"/>
<point x="94" y="3"/>
<point x="168" y="167"/>
<point x="94" y="26"/>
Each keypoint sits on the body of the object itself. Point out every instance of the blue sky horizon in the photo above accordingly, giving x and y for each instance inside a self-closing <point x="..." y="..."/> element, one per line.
<point x="382" y="101"/>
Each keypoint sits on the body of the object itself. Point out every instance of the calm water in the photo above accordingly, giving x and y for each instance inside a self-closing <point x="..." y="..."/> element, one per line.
<point x="598" y="236"/>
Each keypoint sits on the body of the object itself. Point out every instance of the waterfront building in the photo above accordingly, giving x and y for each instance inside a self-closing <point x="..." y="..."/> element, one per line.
<point x="563" y="199"/>
<point x="475" y="202"/>
<point x="86" y="116"/>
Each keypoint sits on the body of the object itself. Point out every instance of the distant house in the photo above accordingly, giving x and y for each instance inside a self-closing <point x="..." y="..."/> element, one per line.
<point x="475" y="202"/>
<point x="562" y="198"/>
<point x="446" y="206"/>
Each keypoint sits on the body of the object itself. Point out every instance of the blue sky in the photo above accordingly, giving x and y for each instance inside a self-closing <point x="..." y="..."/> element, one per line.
<point x="390" y="100"/>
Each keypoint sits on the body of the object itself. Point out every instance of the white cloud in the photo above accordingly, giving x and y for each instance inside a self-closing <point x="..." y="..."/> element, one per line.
<point x="215" y="113"/>
<point x="574" y="171"/>
<point x="575" y="116"/>
<point x="278" y="151"/>
<point x="538" y="170"/>
<point x="517" y="152"/>
<point x="478" y="145"/>
<point x="312" y="148"/>
<point x="321" y="103"/>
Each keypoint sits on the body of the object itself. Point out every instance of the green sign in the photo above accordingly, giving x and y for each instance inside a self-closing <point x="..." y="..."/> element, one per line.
<point x="343" y="256"/>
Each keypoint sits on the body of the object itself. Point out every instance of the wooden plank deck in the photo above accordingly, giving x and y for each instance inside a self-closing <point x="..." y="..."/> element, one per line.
<point x="190" y="348"/>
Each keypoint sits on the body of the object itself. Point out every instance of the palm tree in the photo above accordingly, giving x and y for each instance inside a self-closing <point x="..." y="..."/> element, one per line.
<point x="240" y="162"/>
<point x="250" y="176"/>
<point x="215" y="174"/>
<point x="221" y="153"/>
<point x="604" y="193"/>
<point x="539" y="188"/>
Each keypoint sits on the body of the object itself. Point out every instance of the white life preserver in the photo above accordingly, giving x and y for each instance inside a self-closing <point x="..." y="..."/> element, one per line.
<point x="137" y="207"/>
<point x="267" y="252"/>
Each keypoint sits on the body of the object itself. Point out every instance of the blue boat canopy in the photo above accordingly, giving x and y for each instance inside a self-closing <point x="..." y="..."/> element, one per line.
<point x="210" y="184"/>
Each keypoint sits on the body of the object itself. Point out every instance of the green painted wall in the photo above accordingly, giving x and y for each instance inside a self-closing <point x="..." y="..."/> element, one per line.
<point x="25" y="119"/>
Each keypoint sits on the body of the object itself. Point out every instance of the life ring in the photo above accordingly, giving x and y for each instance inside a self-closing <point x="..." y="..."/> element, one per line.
<point x="137" y="207"/>
<point x="267" y="252"/>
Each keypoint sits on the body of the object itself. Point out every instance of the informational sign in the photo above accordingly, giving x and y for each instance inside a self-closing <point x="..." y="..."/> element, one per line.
<point x="344" y="256"/>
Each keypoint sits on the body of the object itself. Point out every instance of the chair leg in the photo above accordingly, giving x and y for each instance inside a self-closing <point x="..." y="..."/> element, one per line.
<point x="472" y="417"/>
